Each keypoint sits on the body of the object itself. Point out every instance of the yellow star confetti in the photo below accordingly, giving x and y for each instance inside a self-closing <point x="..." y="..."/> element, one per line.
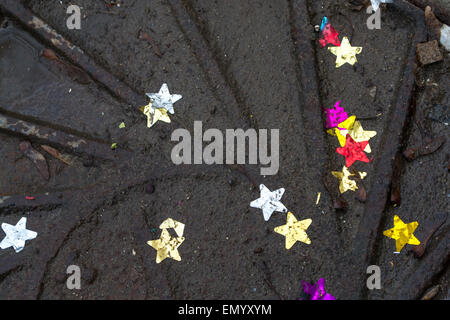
<point x="294" y="230"/>
<point x="345" y="182"/>
<point x="359" y="135"/>
<point x="166" y="246"/>
<point x="402" y="233"/>
<point x="342" y="134"/>
<point x="154" y="114"/>
<point x="170" y="223"/>
<point x="362" y="175"/>
<point x="345" y="53"/>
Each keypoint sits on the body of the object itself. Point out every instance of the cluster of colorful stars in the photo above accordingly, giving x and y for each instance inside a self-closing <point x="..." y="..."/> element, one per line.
<point x="354" y="142"/>
<point x="353" y="139"/>
<point x="160" y="105"/>
<point x="343" y="51"/>
<point x="293" y="230"/>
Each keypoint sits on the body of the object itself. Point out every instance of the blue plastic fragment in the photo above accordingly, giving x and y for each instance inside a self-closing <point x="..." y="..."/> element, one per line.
<point x="324" y="23"/>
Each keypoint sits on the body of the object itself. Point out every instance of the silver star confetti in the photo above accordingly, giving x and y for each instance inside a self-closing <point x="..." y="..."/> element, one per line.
<point x="16" y="235"/>
<point x="163" y="99"/>
<point x="376" y="3"/>
<point x="269" y="201"/>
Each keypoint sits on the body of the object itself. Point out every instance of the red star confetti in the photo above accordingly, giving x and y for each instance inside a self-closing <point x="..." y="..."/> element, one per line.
<point x="353" y="151"/>
<point x="330" y="36"/>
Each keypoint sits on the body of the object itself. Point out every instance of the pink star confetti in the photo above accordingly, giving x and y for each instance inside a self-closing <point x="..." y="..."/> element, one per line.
<point x="317" y="290"/>
<point x="330" y="36"/>
<point x="335" y="115"/>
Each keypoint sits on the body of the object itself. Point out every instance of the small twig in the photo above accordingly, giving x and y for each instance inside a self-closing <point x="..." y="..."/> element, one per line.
<point x="420" y="249"/>
<point x="370" y="117"/>
<point x="266" y="273"/>
<point x="144" y="35"/>
<point x="273" y="288"/>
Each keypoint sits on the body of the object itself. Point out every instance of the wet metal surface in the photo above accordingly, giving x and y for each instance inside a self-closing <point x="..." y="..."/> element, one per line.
<point x="265" y="71"/>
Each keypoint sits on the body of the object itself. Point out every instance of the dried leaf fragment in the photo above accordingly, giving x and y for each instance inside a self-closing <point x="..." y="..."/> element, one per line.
<point x="37" y="158"/>
<point x="431" y="293"/>
<point x="412" y="153"/>
<point x="55" y="153"/>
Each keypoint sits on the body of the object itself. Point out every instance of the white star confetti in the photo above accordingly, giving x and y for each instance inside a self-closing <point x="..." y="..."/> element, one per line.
<point x="269" y="201"/>
<point x="163" y="99"/>
<point x="376" y="3"/>
<point x="16" y="235"/>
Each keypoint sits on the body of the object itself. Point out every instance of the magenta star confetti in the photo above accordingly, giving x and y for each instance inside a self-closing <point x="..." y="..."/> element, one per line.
<point x="329" y="36"/>
<point x="335" y="115"/>
<point x="317" y="291"/>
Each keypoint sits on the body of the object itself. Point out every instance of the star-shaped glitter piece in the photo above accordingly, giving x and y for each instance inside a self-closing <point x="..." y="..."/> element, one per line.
<point x="402" y="233"/>
<point x="154" y="114"/>
<point x="353" y="151"/>
<point x="317" y="291"/>
<point x="342" y="130"/>
<point x="359" y="134"/>
<point x="345" y="182"/>
<point x="166" y="246"/>
<point x="16" y="235"/>
<point x="376" y="4"/>
<point x="345" y="53"/>
<point x="163" y="99"/>
<point x="269" y="201"/>
<point x="170" y="223"/>
<point x="330" y="36"/>
<point x="335" y="115"/>
<point x="294" y="230"/>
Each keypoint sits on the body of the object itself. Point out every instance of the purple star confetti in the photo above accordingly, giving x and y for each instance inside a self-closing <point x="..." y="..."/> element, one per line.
<point x="335" y="115"/>
<point x="317" y="291"/>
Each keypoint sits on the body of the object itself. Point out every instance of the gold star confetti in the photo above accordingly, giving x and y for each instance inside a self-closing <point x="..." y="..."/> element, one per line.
<point x="154" y="114"/>
<point x="166" y="246"/>
<point x="402" y="233"/>
<point x="359" y="134"/>
<point x="362" y="175"/>
<point x="294" y="230"/>
<point x="345" y="53"/>
<point x="345" y="182"/>
<point x="342" y="134"/>
<point x="170" y="223"/>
